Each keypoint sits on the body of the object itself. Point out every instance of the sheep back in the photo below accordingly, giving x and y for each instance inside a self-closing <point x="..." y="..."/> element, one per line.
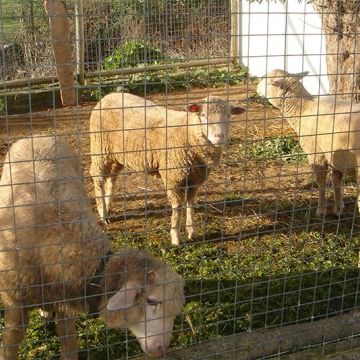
<point x="49" y="239"/>
<point x="143" y="136"/>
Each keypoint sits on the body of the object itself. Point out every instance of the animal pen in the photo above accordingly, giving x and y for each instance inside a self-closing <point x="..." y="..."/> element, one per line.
<point x="267" y="274"/>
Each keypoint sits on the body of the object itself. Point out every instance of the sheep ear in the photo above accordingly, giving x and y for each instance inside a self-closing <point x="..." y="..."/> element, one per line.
<point x="280" y="83"/>
<point x="301" y="75"/>
<point x="125" y="298"/>
<point x="237" y="110"/>
<point x="193" y="108"/>
<point x="151" y="276"/>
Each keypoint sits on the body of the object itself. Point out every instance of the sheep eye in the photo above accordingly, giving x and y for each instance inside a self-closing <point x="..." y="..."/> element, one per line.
<point x="152" y="302"/>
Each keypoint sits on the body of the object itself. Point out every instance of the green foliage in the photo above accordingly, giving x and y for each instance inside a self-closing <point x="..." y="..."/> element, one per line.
<point x="272" y="281"/>
<point x="2" y="106"/>
<point x="133" y="53"/>
<point x="193" y="77"/>
<point x="284" y="148"/>
<point x="96" y="338"/>
<point x="268" y="281"/>
<point x="163" y="81"/>
<point x="41" y="341"/>
<point x="23" y="16"/>
<point x="256" y="98"/>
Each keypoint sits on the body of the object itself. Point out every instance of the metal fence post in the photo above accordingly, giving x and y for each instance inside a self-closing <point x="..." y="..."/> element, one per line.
<point x="79" y="41"/>
<point x="234" y="45"/>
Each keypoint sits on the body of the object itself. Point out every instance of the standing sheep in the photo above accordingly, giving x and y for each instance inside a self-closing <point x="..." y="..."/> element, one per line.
<point x="53" y="255"/>
<point x="328" y="129"/>
<point x="177" y="146"/>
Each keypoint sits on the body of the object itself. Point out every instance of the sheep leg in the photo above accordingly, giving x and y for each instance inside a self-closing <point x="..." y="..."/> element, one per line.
<point x="191" y="228"/>
<point x="100" y="198"/>
<point x="104" y="176"/>
<point x="66" y="329"/>
<point x="16" y="321"/>
<point x="109" y="185"/>
<point x="320" y="171"/>
<point x="96" y="172"/>
<point x="175" y="219"/>
<point x="336" y="177"/>
<point x="357" y="175"/>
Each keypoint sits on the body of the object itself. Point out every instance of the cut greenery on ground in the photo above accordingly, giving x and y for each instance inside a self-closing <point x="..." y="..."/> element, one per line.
<point x="284" y="148"/>
<point x="274" y="280"/>
<point x="173" y="79"/>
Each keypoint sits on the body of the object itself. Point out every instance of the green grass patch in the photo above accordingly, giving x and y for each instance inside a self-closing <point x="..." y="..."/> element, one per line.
<point x="174" y="79"/>
<point x="10" y="19"/>
<point x="16" y="19"/>
<point x="230" y="288"/>
<point x="284" y="148"/>
<point x="136" y="53"/>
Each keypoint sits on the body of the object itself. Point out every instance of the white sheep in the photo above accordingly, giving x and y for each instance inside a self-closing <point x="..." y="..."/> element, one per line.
<point x="178" y="146"/>
<point x="53" y="255"/>
<point x="328" y="129"/>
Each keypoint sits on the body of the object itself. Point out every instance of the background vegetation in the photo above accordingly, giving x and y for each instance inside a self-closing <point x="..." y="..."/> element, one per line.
<point x="177" y="29"/>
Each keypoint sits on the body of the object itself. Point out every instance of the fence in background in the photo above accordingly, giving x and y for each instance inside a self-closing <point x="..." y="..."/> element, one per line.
<point x="150" y="32"/>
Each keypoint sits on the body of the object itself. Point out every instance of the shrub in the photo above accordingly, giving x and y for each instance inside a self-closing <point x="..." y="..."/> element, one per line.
<point x="131" y="54"/>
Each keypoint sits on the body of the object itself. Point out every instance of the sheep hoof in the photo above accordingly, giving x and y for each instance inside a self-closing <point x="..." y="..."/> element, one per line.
<point x="192" y="233"/>
<point x="320" y="212"/>
<point x="48" y="315"/>
<point x="338" y="210"/>
<point x="105" y="221"/>
<point x="175" y="237"/>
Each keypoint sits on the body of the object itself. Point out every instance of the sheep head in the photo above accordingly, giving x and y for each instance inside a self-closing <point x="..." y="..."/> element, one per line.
<point x="278" y="84"/>
<point x="214" y="114"/>
<point x="147" y="305"/>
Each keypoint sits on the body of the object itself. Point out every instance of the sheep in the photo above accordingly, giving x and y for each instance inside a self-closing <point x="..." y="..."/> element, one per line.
<point x="327" y="127"/>
<point x="180" y="147"/>
<point x="54" y="255"/>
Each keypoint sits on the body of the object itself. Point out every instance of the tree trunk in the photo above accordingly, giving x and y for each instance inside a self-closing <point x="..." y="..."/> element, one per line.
<point x="341" y="24"/>
<point x="60" y="33"/>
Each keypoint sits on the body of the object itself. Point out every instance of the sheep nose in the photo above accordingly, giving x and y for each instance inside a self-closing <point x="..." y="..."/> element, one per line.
<point x="162" y="350"/>
<point x="159" y="351"/>
<point x="219" y="136"/>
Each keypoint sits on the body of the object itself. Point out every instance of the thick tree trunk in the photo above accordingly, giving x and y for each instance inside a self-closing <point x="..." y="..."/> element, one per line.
<point x="60" y="34"/>
<point x="341" y="23"/>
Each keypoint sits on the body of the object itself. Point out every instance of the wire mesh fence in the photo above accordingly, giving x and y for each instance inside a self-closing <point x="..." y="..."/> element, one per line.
<point x="127" y="34"/>
<point x="177" y="183"/>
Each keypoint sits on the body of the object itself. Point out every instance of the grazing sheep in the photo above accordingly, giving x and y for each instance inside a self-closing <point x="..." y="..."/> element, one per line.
<point x="177" y="146"/>
<point x="328" y="130"/>
<point x="53" y="255"/>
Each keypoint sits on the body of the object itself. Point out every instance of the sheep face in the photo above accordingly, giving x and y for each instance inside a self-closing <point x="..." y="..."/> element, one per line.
<point x="214" y="114"/>
<point x="149" y="310"/>
<point x="277" y="84"/>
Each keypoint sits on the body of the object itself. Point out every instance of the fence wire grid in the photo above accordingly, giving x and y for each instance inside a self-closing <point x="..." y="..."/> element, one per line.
<point x="183" y="205"/>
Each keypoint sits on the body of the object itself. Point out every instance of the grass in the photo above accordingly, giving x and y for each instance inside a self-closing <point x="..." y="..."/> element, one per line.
<point x="15" y="15"/>
<point x="267" y="281"/>
<point x="10" y="20"/>
<point x="262" y="260"/>
<point x="165" y="81"/>
<point x="136" y="53"/>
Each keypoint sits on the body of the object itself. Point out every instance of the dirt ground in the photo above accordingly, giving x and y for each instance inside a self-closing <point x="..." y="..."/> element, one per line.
<point x="241" y="198"/>
<point x="248" y="206"/>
